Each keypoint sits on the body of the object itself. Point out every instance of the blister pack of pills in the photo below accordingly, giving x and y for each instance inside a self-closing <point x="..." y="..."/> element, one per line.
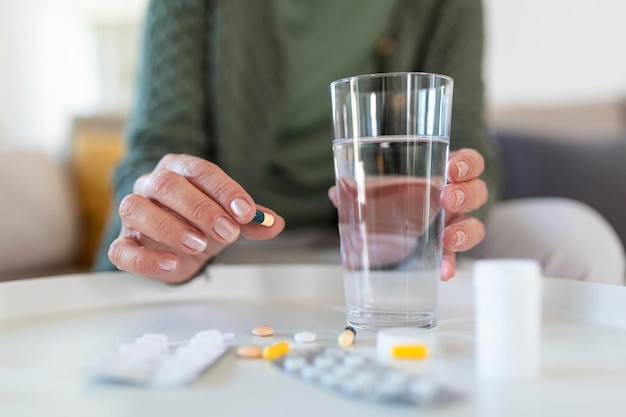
<point x="357" y="375"/>
<point x="152" y="360"/>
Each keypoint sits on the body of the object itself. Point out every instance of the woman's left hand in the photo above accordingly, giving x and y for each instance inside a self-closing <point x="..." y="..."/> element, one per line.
<point x="464" y="193"/>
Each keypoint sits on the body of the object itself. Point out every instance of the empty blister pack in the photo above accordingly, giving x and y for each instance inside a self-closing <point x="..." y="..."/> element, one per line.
<point x="153" y="361"/>
<point x="360" y="376"/>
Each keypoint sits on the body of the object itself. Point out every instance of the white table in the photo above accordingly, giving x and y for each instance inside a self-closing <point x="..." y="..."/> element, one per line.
<point x="51" y="328"/>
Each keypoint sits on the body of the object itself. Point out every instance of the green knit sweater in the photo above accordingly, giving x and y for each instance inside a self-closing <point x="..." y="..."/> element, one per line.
<point x="213" y="74"/>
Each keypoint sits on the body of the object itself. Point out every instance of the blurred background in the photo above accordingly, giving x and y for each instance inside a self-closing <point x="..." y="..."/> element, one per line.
<point x="555" y="72"/>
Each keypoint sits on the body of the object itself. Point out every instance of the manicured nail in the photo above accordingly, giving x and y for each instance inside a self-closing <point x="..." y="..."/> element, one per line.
<point x="460" y="197"/>
<point x="461" y="238"/>
<point x="194" y="241"/>
<point x="240" y="207"/>
<point x="167" y="264"/>
<point x="226" y="229"/>
<point x="463" y="168"/>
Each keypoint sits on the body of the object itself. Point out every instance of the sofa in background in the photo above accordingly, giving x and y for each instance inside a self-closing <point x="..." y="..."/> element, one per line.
<point x="592" y="171"/>
<point x="53" y="210"/>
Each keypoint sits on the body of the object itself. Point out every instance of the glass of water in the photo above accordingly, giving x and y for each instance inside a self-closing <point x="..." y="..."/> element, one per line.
<point x="391" y="134"/>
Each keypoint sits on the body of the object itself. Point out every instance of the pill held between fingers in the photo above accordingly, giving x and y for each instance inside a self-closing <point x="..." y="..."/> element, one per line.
<point x="346" y="337"/>
<point x="263" y="331"/>
<point x="262" y="218"/>
<point x="305" y="337"/>
<point x="249" y="352"/>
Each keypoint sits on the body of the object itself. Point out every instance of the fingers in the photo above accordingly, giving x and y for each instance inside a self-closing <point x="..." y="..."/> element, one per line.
<point x="183" y="182"/>
<point x="464" y="165"/>
<point x="141" y="214"/>
<point x="129" y="255"/>
<point x="181" y="215"/>
<point x="465" y="192"/>
<point x="464" y="197"/>
<point x="463" y="233"/>
<point x="448" y="265"/>
<point x="332" y="194"/>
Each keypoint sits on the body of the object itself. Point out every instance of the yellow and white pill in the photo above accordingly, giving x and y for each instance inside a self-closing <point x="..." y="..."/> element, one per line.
<point x="346" y="337"/>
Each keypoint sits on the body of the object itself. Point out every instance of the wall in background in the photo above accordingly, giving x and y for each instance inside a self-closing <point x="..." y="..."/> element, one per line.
<point x="555" y="52"/>
<point x="61" y="58"/>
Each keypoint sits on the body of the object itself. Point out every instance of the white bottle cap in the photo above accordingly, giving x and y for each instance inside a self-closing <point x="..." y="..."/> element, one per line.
<point x="401" y="336"/>
<point x="507" y="311"/>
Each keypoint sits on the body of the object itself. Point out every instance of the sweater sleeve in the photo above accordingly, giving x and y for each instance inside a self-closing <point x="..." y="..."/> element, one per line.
<point x="463" y="61"/>
<point x="171" y="113"/>
<point x="453" y="44"/>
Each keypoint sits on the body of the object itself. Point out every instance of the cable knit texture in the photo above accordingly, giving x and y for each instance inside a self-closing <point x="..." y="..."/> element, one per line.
<point x="212" y="75"/>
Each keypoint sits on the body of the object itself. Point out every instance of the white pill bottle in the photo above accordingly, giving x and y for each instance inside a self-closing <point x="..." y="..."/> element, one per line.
<point x="507" y="312"/>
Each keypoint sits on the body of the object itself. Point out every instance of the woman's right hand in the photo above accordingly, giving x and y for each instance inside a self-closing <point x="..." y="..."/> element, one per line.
<point x="180" y="216"/>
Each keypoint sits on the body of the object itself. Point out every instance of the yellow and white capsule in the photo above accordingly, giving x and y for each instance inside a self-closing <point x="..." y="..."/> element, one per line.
<point x="346" y="337"/>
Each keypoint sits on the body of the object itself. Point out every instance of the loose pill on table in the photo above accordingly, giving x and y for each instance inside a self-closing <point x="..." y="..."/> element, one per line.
<point x="346" y="337"/>
<point x="249" y="351"/>
<point x="409" y="352"/>
<point x="263" y="331"/>
<point x="276" y="350"/>
<point x="305" y="337"/>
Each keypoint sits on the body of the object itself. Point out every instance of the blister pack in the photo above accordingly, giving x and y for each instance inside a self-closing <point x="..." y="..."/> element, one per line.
<point x="152" y="360"/>
<point x="361" y="376"/>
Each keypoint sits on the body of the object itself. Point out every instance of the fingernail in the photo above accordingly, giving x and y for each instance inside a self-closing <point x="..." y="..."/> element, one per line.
<point x="463" y="168"/>
<point x="240" y="207"/>
<point x="167" y="264"/>
<point x="226" y="229"/>
<point x="194" y="241"/>
<point x="460" y="197"/>
<point x="461" y="238"/>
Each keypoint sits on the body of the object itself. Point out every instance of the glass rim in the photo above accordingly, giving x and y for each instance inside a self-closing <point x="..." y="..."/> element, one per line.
<point x="390" y="75"/>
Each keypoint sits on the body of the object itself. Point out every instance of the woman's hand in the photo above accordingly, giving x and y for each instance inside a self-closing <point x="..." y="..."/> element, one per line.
<point x="464" y="192"/>
<point x="180" y="216"/>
